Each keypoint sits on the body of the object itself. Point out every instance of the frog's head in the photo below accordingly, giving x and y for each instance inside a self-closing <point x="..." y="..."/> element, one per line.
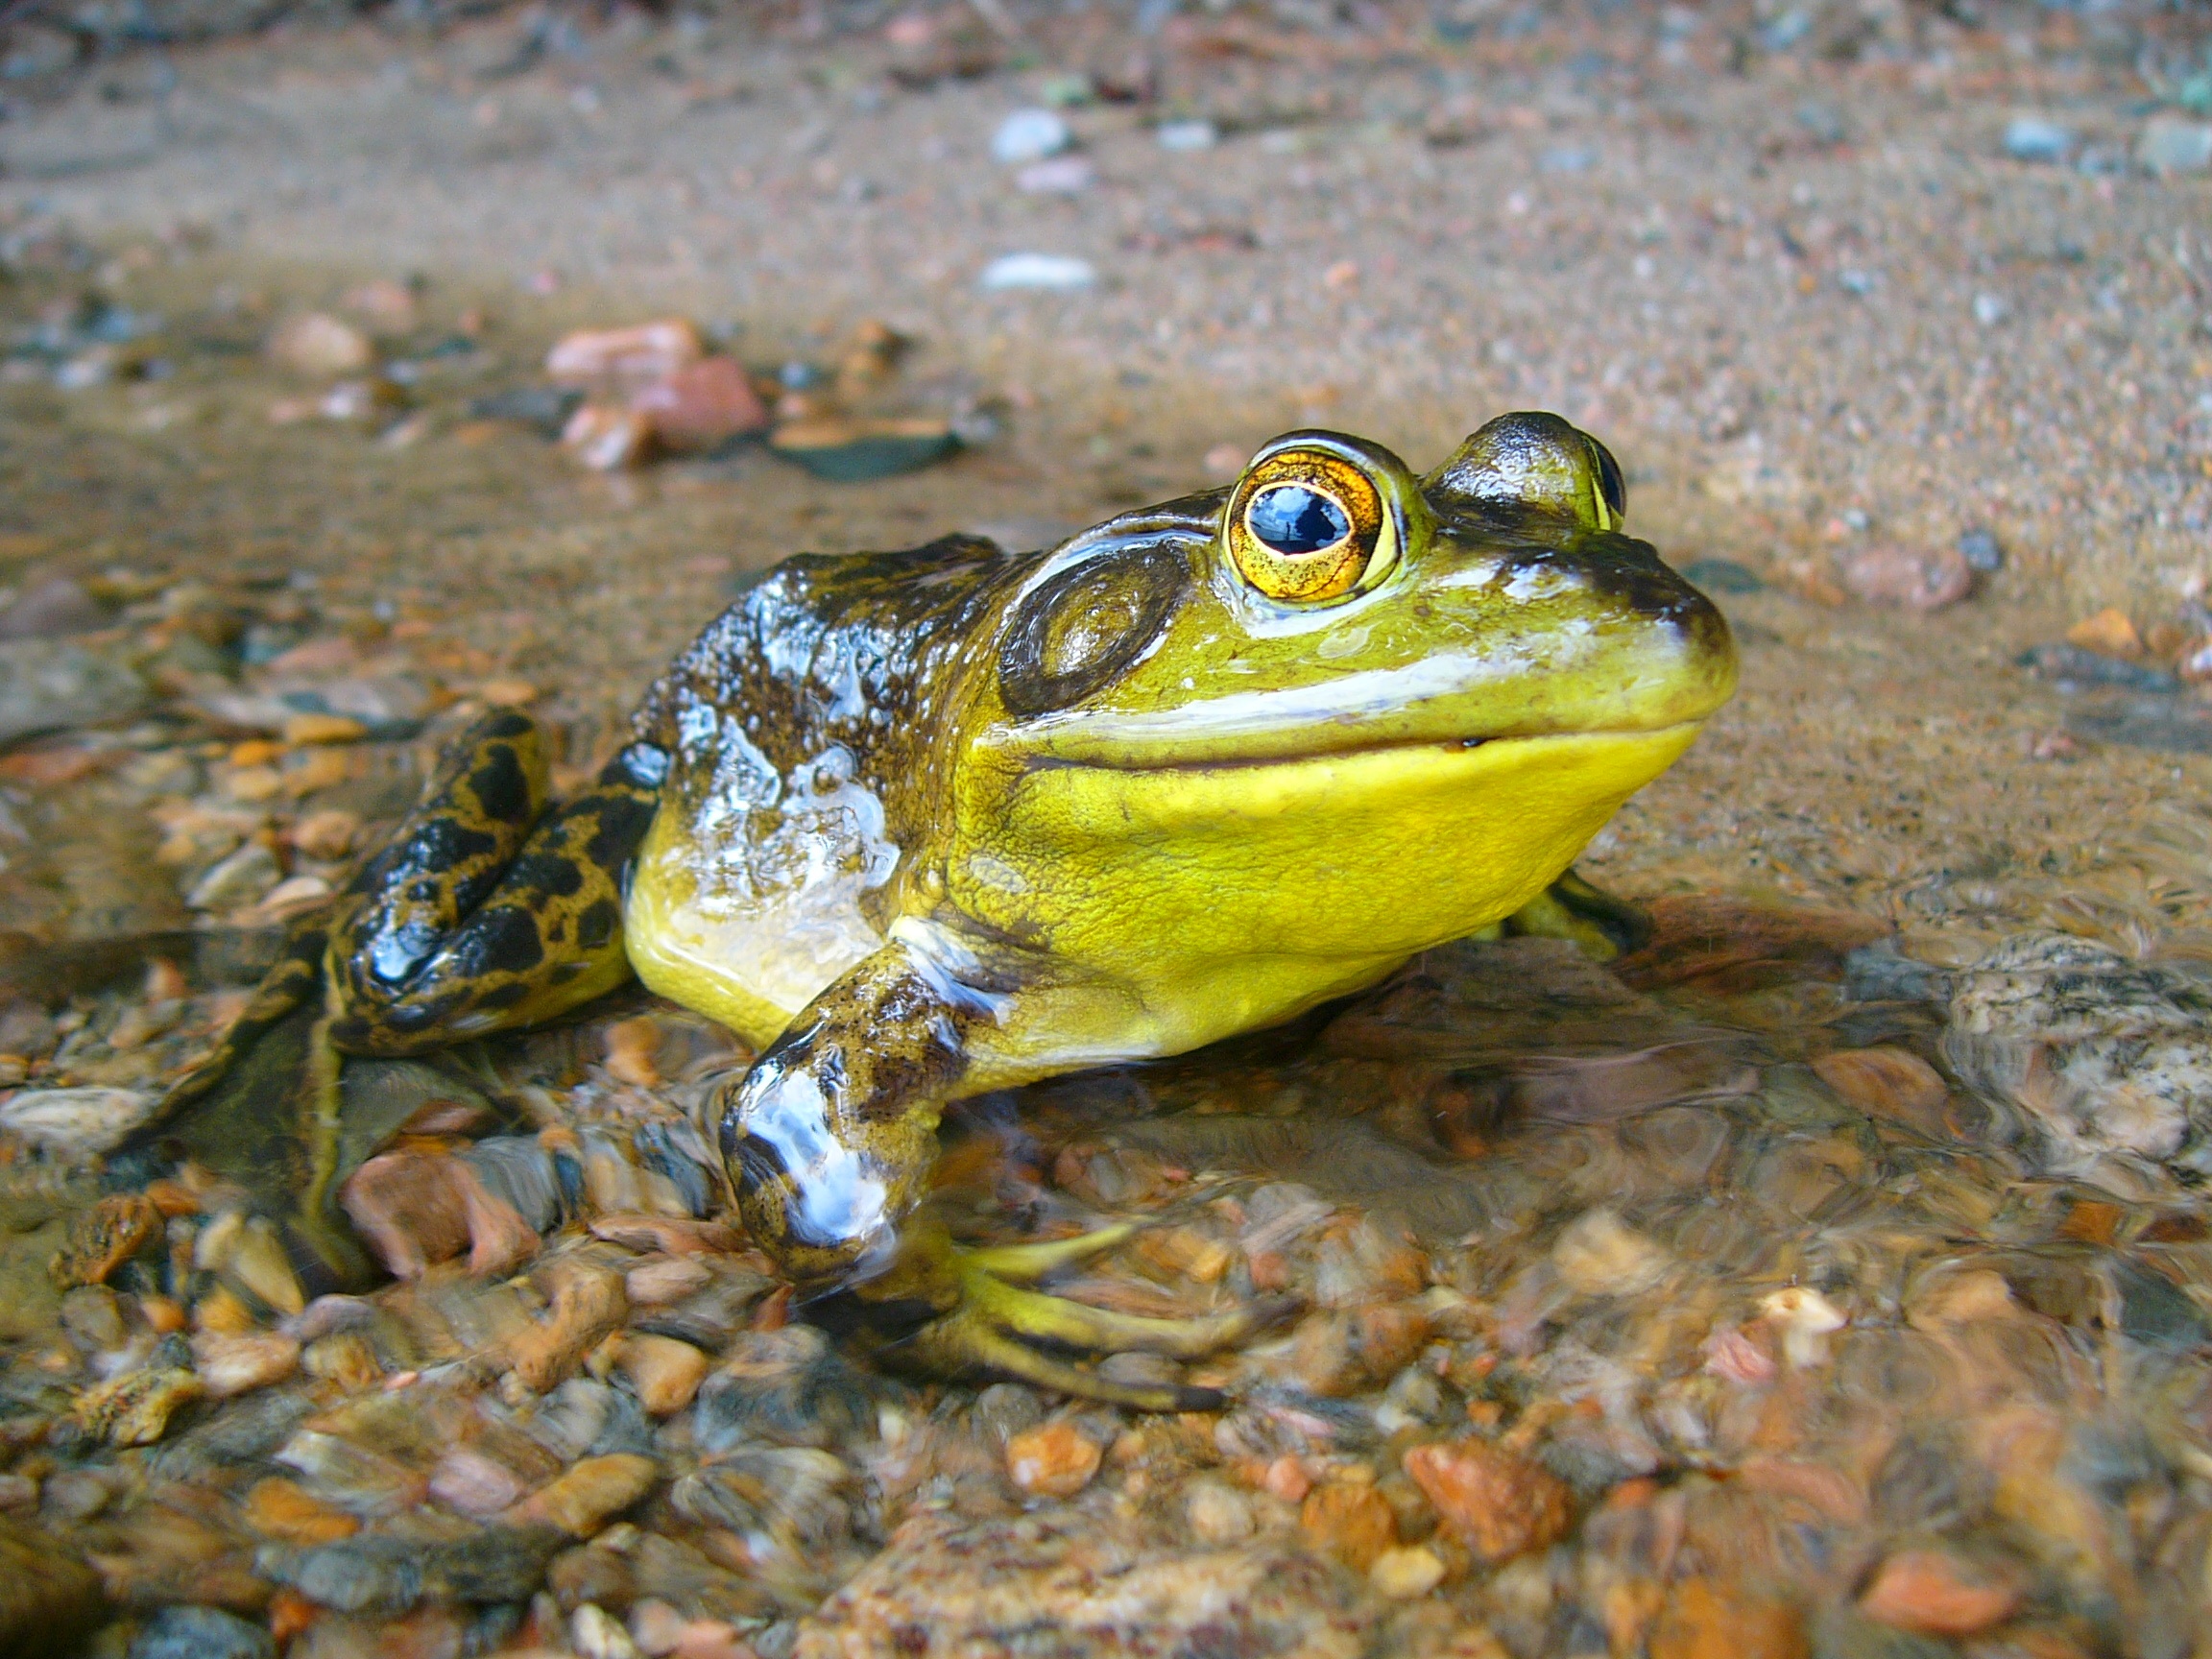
<point x="1407" y="702"/>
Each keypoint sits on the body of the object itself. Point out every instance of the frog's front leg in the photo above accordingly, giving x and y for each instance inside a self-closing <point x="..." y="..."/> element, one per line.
<point x="829" y="1141"/>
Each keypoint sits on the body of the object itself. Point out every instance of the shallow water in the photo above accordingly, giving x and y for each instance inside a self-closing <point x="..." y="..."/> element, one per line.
<point x="1822" y="1278"/>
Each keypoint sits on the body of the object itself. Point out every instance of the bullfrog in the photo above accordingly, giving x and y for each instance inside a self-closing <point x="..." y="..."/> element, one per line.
<point x="922" y="825"/>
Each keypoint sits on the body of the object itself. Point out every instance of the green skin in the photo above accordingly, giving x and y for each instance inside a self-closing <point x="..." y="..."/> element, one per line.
<point x="923" y="825"/>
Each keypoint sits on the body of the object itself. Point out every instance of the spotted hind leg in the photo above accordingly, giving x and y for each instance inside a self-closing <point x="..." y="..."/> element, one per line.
<point x="485" y="912"/>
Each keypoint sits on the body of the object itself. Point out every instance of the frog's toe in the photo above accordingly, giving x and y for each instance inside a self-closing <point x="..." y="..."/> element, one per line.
<point x="994" y="1323"/>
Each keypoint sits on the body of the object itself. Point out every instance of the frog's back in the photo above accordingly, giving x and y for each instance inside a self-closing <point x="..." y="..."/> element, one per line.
<point x="808" y="729"/>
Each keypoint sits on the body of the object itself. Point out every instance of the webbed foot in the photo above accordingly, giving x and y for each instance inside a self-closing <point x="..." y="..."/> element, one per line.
<point x="987" y="1320"/>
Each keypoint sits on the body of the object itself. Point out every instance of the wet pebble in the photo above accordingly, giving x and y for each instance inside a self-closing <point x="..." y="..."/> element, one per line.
<point x="2033" y="139"/>
<point x="475" y="1485"/>
<point x="1029" y="136"/>
<point x="282" y="1509"/>
<point x="1915" y="579"/>
<point x="584" y="1499"/>
<point x="51" y="610"/>
<point x="232" y="1365"/>
<point x="789" y="1385"/>
<point x="1407" y="1574"/>
<point x="585" y="1304"/>
<point x="664" y="1373"/>
<point x="201" y="1633"/>
<point x="320" y="346"/>
<point x="1498" y="1504"/>
<point x="702" y="407"/>
<point x="135" y="1408"/>
<point x="1932" y="1592"/>
<point x="1053" y="1460"/>
<point x="1349" y="1519"/>
<point x="74" y="1122"/>
<point x="855" y="452"/>
<point x="642" y="352"/>
<point x="608" y="438"/>
<point x="58" y="686"/>
<point x="1887" y="1082"/>
<point x="1060" y="273"/>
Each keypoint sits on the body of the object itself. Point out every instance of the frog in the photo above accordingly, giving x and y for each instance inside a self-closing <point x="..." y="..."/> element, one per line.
<point x="925" y="824"/>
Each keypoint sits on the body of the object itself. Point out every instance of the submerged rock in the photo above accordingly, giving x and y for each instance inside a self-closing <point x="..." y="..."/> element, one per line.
<point x="54" y="686"/>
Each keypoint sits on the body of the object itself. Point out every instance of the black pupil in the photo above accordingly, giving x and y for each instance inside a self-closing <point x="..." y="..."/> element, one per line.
<point x="1291" y="518"/>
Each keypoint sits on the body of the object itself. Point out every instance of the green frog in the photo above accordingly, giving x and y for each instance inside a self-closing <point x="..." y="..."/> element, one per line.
<point x="926" y="824"/>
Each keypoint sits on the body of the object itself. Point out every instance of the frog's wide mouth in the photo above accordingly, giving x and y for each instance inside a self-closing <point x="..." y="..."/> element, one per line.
<point x="1165" y="759"/>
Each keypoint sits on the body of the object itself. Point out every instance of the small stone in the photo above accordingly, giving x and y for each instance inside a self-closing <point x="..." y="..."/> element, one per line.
<point x="74" y="1122"/>
<point x="1887" y="1082"/>
<point x="249" y="1256"/>
<point x="641" y="352"/>
<point x="1349" y="1519"/>
<point x="663" y="1373"/>
<point x="2171" y="143"/>
<point x="1406" y="1574"/>
<point x="279" y="1508"/>
<point x="1498" y="1504"/>
<point x="631" y="1048"/>
<point x="1029" y="136"/>
<point x="345" y="1360"/>
<point x="608" y="438"/>
<point x="1185" y="136"/>
<point x="590" y="1494"/>
<point x="597" y="1634"/>
<point x="51" y="610"/>
<point x="416" y="1209"/>
<point x="1339" y="1351"/>
<point x="1217" y="1514"/>
<point x="104" y="1238"/>
<point x="1058" y="273"/>
<point x="2109" y="634"/>
<point x="475" y="1485"/>
<point x="237" y="880"/>
<point x="702" y="407"/>
<point x="319" y="345"/>
<point x="1708" y="1619"/>
<point x="1805" y="1319"/>
<point x="1917" y="579"/>
<point x="134" y="1410"/>
<point x="1932" y="1592"/>
<point x="848" y="452"/>
<point x="55" y="686"/>
<point x="670" y="1279"/>
<point x="324" y="729"/>
<point x="233" y="1365"/>
<point x="1983" y="553"/>
<point x="587" y="1305"/>
<point x="201" y="1633"/>
<point x="353" y="1477"/>
<point x="2032" y="138"/>
<point x="1052" y="1460"/>
<point x="1598" y="1254"/>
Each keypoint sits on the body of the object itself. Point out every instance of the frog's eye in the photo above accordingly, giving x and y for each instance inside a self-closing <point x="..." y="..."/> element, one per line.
<point x="1307" y="526"/>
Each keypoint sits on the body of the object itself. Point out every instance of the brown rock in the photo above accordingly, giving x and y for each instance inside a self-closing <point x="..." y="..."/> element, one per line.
<point x="1887" y="1082"/>
<point x="467" y="1480"/>
<point x="1352" y="1521"/>
<point x="319" y="345"/>
<point x="632" y="1046"/>
<point x="1917" y="579"/>
<point x="414" y="1209"/>
<point x="664" y="1372"/>
<point x="606" y="438"/>
<point x="1052" y="1460"/>
<point x="1498" y="1504"/>
<point x="1932" y="1592"/>
<point x="1097" y="1584"/>
<point x="232" y="1365"/>
<point x="1343" y="1351"/>
<point x="279" y="1508"/>
<point x="703" y="405"/>
<point x="670" y="1236"/>
<point x="1705" y="1618"/>
<point x="643" y="351"/>
<point x="581" y="1502"/>
<point x="2109" y="634"/>
<point x="104" y="1238"/>
<point x="345" y="1358"/>
<point x="587" y="1305"/>
<point x="134" y="1409"/>
<point x="664" y="1279"/>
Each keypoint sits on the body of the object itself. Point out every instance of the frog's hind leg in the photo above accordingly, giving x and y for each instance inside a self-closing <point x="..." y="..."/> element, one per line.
<point x="485" y="912"/>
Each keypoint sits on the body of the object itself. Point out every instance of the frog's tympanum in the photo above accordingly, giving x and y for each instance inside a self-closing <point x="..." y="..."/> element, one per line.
<point x="922" y="825"/>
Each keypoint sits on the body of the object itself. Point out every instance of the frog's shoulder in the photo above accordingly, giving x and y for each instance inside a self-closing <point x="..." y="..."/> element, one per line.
<point x="820" y="637"/>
